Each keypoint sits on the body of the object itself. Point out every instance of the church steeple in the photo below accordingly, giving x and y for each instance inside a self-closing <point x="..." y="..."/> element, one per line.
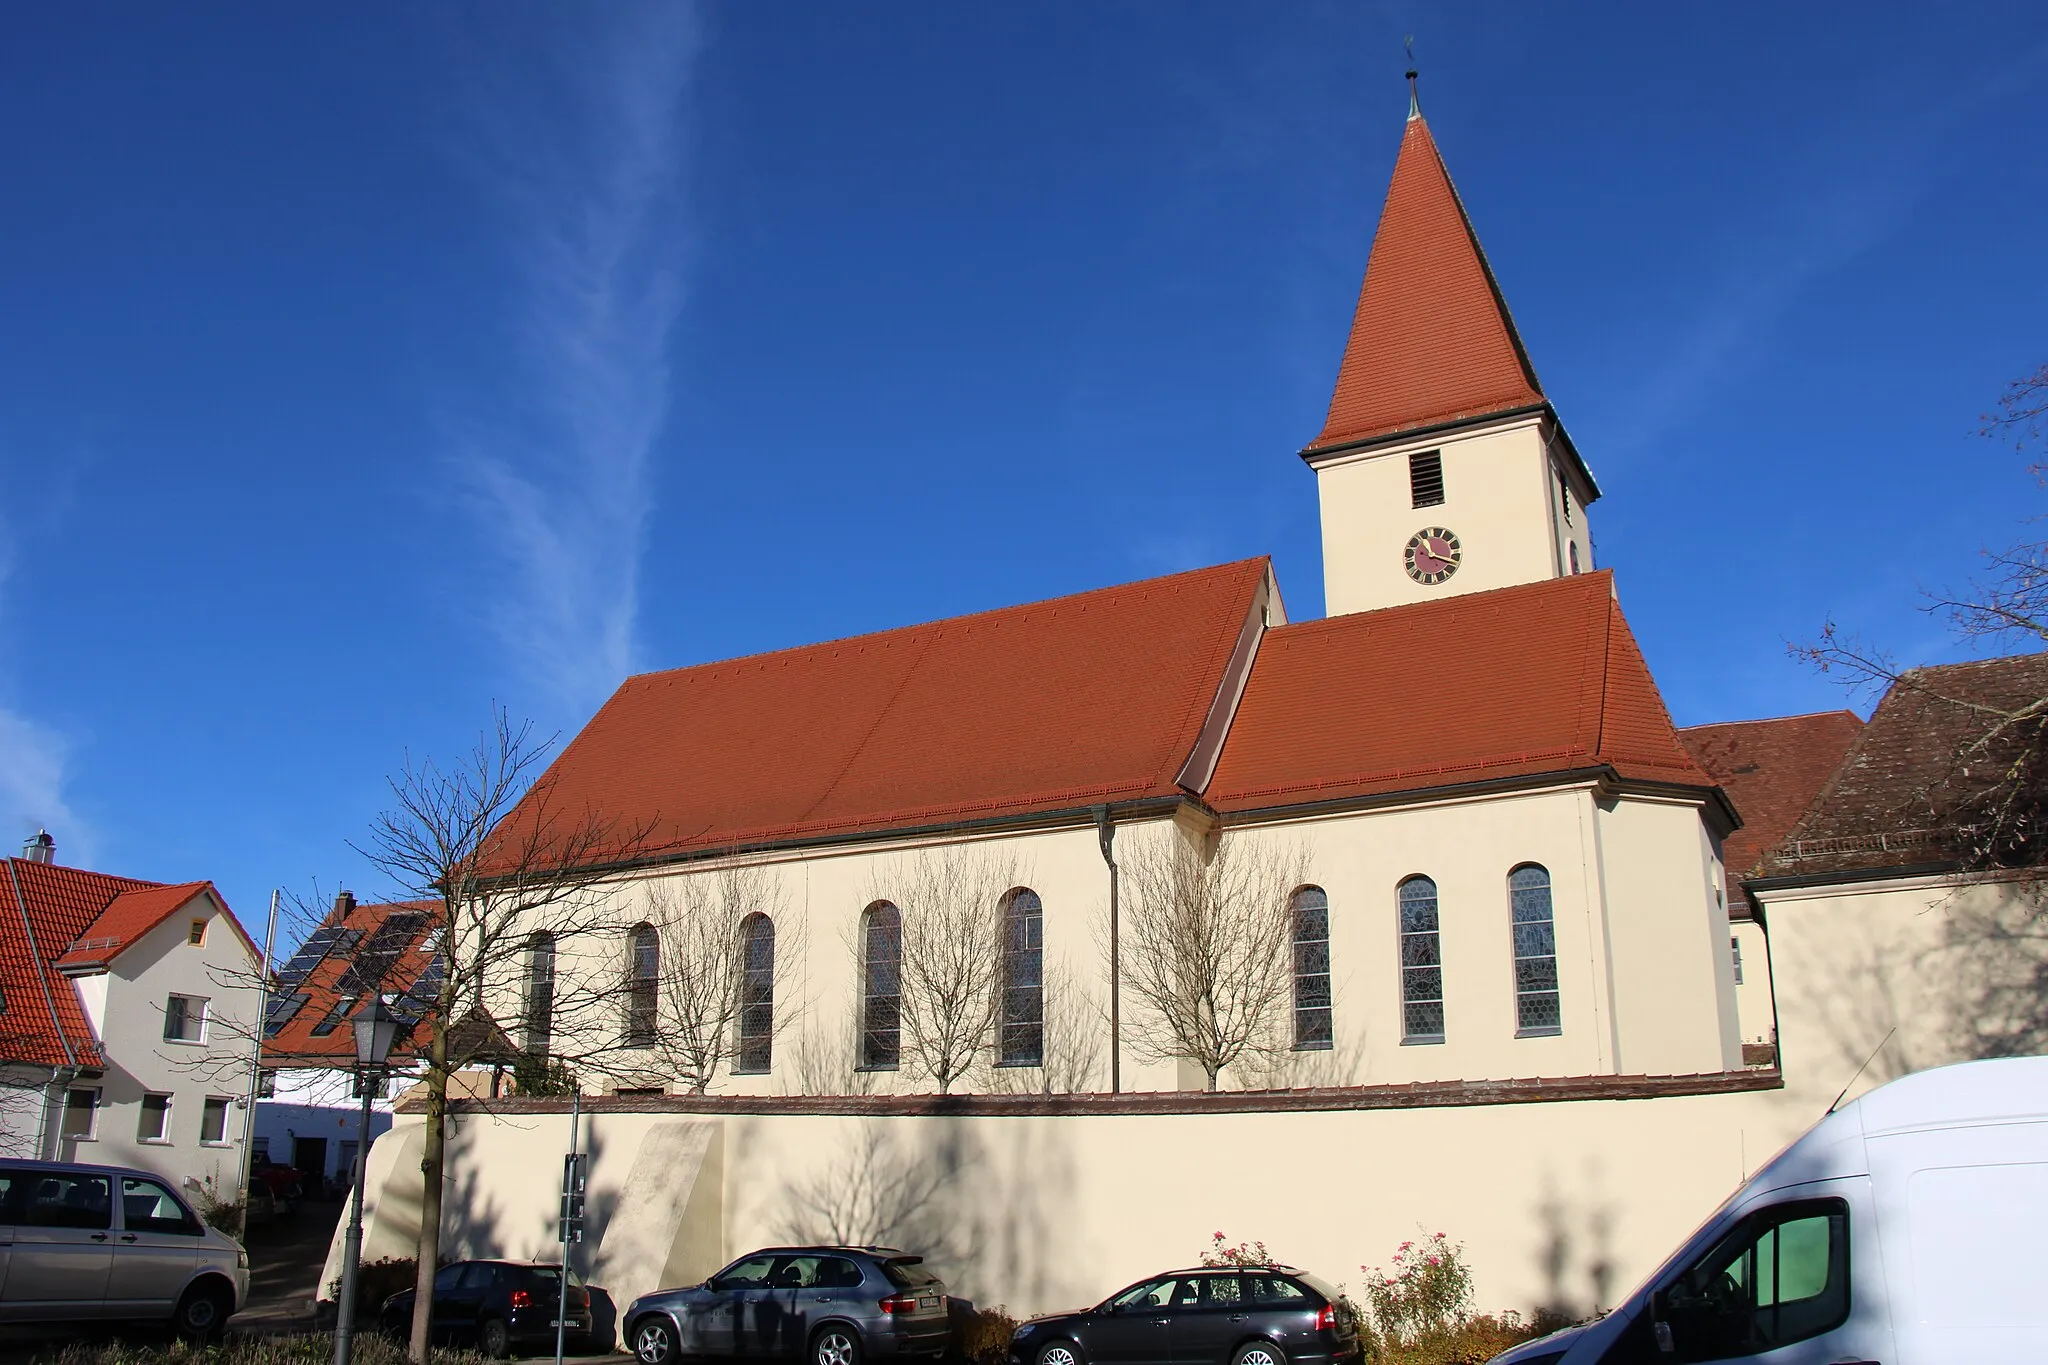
<point x="1432" y="341"/>
<point x="1441" y="467"/>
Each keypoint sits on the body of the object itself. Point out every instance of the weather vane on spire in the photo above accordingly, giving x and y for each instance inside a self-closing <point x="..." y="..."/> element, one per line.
<point x="1414" y="105"/>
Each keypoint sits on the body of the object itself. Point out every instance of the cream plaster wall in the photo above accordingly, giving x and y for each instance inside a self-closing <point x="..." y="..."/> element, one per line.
<point x="1674" y="983"/>
<point x="1564" y="1204"/>
<point x="1645" y="985"/>
<point x="1903" y="974"/>
<point x="129" y="1002"/>
<point x="1500" y="499"/>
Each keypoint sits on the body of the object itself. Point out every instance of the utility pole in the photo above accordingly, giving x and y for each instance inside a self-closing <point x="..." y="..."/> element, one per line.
<point x="256" y="1060"/>
<point x="571" y="1230"/>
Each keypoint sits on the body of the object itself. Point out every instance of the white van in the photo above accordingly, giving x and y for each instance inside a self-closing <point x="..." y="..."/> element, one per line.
<point x="82" y="1243"/>
<point x="1909" y="1227"/>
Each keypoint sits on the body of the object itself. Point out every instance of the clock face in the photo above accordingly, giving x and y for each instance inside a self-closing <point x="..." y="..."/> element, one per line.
<point x="1432" y="555"/>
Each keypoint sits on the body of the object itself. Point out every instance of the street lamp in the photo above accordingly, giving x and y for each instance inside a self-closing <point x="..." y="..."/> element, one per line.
<point x="376" y="1029"/>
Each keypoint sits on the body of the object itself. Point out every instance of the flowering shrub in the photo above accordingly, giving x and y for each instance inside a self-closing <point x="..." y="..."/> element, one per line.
<point x="1220" y="1252"/>
<point x="1427" y="1291"/>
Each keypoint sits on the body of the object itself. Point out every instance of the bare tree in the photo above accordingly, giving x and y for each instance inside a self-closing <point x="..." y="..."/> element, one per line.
<point x="1991" y="806"/>
<point x="1207" y="943"/>
<point x="951" y="903"/>
<point x="509" y="872"/>
<point x="707" y="982"/>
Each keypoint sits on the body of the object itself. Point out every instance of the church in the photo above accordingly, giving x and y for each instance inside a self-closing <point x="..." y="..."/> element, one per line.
<point x="1531" y="996"/>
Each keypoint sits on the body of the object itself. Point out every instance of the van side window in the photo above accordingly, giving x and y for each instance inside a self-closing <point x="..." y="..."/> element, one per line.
<point x="62" y="1199"/>
<point x="148" y="1207"/>
<point x="1781" y="1276"/>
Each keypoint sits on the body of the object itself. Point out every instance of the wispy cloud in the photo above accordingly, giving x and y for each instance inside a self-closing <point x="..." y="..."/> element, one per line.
<point x="583" y="151"/>
<point x="32" y="758"/>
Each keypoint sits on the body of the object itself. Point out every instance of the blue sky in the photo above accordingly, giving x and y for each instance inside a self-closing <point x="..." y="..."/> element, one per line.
<point x="365" y="366"/>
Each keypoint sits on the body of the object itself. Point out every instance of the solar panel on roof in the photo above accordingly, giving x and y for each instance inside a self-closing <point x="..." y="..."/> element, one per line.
<point x="380" y="954"/>
<point x="419" y="998"/>
<point x="310" y="953"/>
<point x="282" y="1009"/>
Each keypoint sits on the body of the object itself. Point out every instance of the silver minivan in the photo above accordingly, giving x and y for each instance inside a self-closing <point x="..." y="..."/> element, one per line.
<point x="105" y="1242"/>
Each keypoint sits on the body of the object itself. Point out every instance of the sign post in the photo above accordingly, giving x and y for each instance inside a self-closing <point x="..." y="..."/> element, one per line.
<point x="569" y="1229"/>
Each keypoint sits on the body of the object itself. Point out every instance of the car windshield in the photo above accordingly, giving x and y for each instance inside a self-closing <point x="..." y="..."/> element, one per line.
<point x="550" y="1277"/>
<point x="906" y="1272"/>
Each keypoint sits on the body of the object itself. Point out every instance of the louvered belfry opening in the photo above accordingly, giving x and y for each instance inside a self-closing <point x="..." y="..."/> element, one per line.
<point x="1426" y="477"/>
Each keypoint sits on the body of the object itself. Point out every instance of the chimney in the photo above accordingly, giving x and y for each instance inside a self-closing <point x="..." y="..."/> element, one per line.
<point x="40" y="847"/>
<point x="344" y="902"/>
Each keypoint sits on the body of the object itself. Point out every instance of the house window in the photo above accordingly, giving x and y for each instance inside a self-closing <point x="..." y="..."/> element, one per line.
<point x="1426" y="477"/>
<point x="1564" y="496"/>
<point x="540" y="992"/>
<point x="196" y="934"/>
<point x="259" y="1150"/>
<point x="881" y="1031"/>
<point x="1311" y="916"/>
<point x="155" y="1125"/>
<point x="643" y="986"/>
<point x="1422" y="971"/>
<point x="757" y="995"/>
<point x="1536" y="1003"/>
<point x="1022" y="1041"/>
<point x="81" y="1112"/>
<point x="185" y="1019"/>
<point x="329" y="1022"/>
<point x="1574" y="547"/>
<point x="213" y="1120"/>
<point x="266" y="1084"/>
<point x="1735" y="951"/>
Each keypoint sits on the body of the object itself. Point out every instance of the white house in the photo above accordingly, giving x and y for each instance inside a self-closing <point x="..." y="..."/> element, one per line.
<point x="127" y="1023"/>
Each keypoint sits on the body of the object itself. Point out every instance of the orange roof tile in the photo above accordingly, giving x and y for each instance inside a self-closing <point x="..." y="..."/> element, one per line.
<point x="1771" y="770"/>
<point x="1520" y="681"/>
<point x="1051" y="705"/>
<point x="129" y="916"/>
<point x="353" y="952"/>
<point x="1432" y="341"/>
<point x="75" y="924"/>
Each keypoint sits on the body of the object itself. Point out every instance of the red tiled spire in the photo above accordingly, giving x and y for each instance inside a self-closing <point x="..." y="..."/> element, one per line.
<point x="1432" y="340"/>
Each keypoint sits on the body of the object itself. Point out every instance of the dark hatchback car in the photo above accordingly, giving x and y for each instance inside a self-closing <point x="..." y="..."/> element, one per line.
<point x="500" y="1306"/>
<point x="821" y="1305"/>
<point x="1254" y="1315"/>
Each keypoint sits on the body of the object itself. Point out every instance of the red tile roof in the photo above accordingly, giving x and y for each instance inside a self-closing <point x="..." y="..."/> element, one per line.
<point x="76" y="924"/>
<point x="1516" y="682"/>
<point x="353" y="951"/>
<point x="1771" y="770"/>
<point x="1053" y="705"/>
<point x="1431" y="341"/>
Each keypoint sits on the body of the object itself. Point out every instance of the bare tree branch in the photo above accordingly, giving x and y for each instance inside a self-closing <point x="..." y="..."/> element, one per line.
<point x="951" y="901"/>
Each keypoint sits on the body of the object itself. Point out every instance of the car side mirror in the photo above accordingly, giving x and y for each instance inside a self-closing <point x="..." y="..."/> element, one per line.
<point x="1111" y="1309"/>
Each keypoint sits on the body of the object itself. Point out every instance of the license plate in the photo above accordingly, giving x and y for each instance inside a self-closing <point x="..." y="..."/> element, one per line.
<point x="572" y="1322"/>
<point x="928" y="1303"/>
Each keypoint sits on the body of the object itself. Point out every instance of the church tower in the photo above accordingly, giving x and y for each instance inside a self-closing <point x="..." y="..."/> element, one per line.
<point x="1441" y="468"/>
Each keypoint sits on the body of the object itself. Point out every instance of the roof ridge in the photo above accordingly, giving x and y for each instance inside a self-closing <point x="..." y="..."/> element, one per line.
<point x="1771" y="720"/>
<point x="761" y="656"/>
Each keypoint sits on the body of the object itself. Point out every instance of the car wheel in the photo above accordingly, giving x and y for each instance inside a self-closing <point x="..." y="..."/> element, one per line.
<point x="835" y="1345"/>
<point x="654" y="1341"/>
<point x="1059" y="1353"/>
<point x="494" y="1338"/>
<point x="1259" y="1353"/>
<point x="203" y="1313"/>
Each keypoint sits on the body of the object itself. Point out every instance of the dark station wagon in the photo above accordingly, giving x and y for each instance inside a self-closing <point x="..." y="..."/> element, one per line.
<point x="1215" y="1315"/>
<point x="821" y="1305"/>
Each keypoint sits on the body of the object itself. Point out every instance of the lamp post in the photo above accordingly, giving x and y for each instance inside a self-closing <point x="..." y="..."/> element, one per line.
<point x="376" y="1029"/>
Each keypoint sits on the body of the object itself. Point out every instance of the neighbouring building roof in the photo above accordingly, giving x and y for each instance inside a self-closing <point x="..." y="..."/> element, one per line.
<point x="1771" y="770"/>
<point x="1520" y="681"/>
<point x="1432" y="341"/>
<point x="1053" y="705"/>
<point x="1891" y="803"/>
<point x="76" y="922"/>
<point x="357" y="950"/>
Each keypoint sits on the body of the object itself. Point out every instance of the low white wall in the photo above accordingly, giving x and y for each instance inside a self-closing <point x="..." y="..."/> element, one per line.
<point x="1558" y="1203"/>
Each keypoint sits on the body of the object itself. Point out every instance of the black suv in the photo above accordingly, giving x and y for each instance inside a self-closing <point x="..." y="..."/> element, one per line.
<point x="501" y="1306"/>
<point x="1217" y="1315"/>
<point x="822" y="1305"/>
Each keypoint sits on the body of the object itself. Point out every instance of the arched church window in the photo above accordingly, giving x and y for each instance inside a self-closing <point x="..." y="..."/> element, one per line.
<point x="757" y="994"/>
<point x="1310" y="912"/>
<point x="1422" y="963"/>
<point x="1022" y="1041"/>
<point x="643" y="985"/>
<point x="881" y="1029"/>
<point x="539" y="1009"/>
<point x="1536" y="1000"/>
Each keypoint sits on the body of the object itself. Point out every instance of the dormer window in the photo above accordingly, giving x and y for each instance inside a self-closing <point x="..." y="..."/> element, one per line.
<point x="1426" y="478"/>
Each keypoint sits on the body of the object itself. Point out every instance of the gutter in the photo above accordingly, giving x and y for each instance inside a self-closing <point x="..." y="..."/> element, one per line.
<point x="1105" y="833"/>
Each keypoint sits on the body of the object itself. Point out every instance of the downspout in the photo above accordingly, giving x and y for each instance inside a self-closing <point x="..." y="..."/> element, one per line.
<point x="1105" y="833"/>
<point x="50" y="1003"/>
